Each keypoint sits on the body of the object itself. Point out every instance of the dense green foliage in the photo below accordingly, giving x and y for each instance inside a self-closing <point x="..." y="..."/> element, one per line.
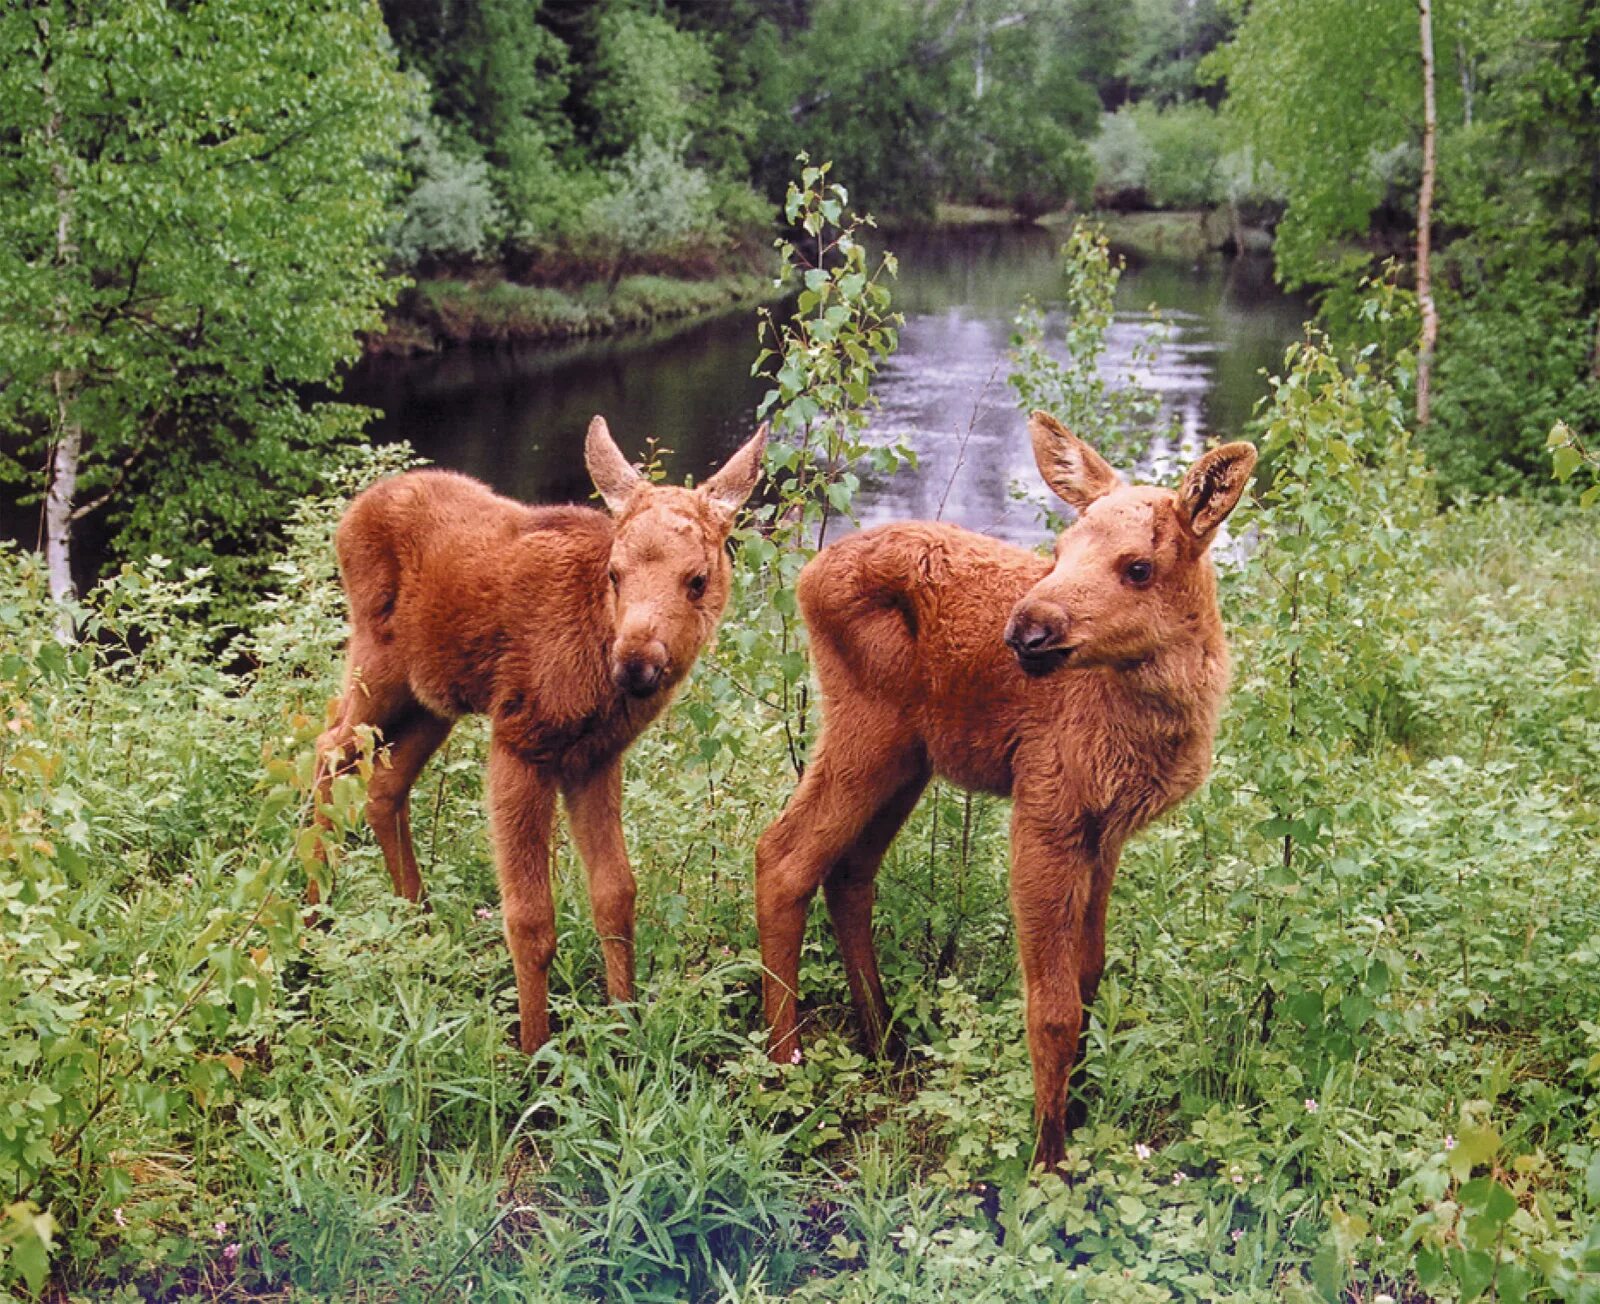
<point x="1347" y="1040"/>
<point x="1330" y="96"/>
<point x="192" y="200"/>
<point x="914" y="102"/>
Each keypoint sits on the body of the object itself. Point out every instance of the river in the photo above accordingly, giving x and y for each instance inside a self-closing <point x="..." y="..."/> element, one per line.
<point x="515" y="416"/>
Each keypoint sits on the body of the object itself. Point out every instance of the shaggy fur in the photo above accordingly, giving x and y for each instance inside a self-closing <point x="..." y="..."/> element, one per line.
<point x="569" y="628"/>
<point x="1098" y="717"/>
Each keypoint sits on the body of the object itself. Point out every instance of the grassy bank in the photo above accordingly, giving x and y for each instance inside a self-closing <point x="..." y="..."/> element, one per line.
<point x="436" y="314"/>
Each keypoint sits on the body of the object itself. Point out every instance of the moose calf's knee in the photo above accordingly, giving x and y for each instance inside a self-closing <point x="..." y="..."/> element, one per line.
<point x="530" y="938"/>
<point x="613" y="909"/>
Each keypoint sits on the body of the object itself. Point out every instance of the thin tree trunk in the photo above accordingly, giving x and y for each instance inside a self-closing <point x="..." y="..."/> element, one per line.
<point x="66" y="447"/>
<point x="1430" y="314"/>
<point x="61" y="497"/>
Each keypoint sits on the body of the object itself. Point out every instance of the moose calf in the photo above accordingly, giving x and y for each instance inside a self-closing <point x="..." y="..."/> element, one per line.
<point x="569" y="628"/>
<point x="1086" y="688"/>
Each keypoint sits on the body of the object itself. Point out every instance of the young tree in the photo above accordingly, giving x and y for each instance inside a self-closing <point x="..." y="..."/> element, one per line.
<point x="192" y="197"/>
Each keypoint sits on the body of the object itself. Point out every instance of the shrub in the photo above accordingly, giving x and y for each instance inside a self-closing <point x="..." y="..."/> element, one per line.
<point x="451" y="211"/>
<point x="1179" y="156"/>
<point x="653" y="200"/>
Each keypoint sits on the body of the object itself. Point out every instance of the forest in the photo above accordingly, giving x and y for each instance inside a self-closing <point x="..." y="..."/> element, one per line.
<point x="1347" y="1045"/>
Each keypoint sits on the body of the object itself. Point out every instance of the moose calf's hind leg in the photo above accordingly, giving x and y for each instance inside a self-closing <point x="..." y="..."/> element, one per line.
<point x="414" y="739"/>
<point x="521" y="808"/>
<point x="828" y="813"/>
<point x="850" y="889"/>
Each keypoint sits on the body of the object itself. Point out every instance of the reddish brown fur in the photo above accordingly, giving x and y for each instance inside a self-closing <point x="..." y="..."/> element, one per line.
<point x="462" y="601"/>
<point x="909" y="629"/>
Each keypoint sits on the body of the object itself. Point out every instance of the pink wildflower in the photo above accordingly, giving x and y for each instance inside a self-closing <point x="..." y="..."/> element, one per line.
<point x="231" y="1252"/>
<point x="1311" y="1106"/>
<point x="794" y="1055"/>
<point x="1449" y="1141"/>
<point x="483" y="912"/>
<point x="220" y="1227"/>
<point x="1179" y="1177"/>
<point x="1238" y="1234"/>
<point x="1142" y="1151"/>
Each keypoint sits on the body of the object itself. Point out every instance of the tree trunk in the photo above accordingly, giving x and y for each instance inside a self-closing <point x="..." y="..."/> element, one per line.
<point x="1430" y="314"/>
<point x="61" y="498"/>
<point x="66" y="448"/>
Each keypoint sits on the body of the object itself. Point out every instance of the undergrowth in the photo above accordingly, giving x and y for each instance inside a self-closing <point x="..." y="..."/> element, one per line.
<point x="1347" y="1046"/>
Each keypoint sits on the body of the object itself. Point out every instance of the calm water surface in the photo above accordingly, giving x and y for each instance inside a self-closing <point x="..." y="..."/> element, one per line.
<point x="515" y="416"/>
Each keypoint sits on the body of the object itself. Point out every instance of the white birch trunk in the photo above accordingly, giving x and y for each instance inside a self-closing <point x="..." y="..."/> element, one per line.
<point x="1430" y="314"/>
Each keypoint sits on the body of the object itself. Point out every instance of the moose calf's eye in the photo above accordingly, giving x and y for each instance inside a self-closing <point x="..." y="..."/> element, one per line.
<point x="697" y="587"/>
<point x="616" y="580"/>
<point x="1139" y="572"/>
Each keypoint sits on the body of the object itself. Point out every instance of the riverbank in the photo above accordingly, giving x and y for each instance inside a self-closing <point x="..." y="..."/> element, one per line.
<point x="436" y="314"/>
<point x="1145" y="233"/>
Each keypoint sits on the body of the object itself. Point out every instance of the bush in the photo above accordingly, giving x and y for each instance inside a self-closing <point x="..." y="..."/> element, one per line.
<point x="653" y="201"/>
<point x="1174" y="157"/>
<point x="451" y="212"/>
<point x="1515" y="356"/>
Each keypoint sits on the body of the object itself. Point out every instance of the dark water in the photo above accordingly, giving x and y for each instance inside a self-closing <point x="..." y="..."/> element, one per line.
<point x="515" y="417"/>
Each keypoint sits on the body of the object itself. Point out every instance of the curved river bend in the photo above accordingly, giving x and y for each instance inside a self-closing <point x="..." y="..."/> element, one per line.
<point x="515" y="417"/>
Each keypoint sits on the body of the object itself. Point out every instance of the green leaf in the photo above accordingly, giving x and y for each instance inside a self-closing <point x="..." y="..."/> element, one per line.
<point x="1475" y="1145"/>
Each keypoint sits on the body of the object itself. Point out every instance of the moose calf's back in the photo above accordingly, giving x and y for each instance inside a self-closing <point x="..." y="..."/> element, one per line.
<point x="479" y="597"/>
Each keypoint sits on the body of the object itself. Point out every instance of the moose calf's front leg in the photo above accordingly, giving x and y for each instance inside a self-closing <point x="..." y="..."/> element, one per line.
<point x="521" y="808"/>
<point x="1051" y="896"/>
<point x="594" y="807"/>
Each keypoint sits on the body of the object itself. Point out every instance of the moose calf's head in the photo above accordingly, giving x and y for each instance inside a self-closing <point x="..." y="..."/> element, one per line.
<point x="1132" y="574"/>
<point x="668" y="568"/>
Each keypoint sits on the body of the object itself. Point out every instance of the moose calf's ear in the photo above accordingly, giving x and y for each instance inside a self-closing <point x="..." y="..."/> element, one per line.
<point x="608" y="468"/>
<point x="729" y="487"/>
<point x="1213" y="485"/>
<point x="1076" y="473"/>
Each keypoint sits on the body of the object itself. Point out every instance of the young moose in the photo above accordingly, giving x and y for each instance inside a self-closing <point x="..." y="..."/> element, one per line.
<point x="1086" y="688"/>
<point x="568" y="628"/>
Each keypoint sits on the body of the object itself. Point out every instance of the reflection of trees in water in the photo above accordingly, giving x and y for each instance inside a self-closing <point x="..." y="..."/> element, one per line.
<point x="515" y="417"/>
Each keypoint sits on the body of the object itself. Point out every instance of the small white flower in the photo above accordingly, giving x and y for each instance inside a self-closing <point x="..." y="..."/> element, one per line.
<point x="1449" y="1141"/>
<point x="1238" y="1234"/>
<point x="1179" y="1177"/>
<point x="116" y="1217"/>
<point x="220" y="1227"/>
<point x="1142" y="1151"/>
<point x="794" y="1055"/>
<point x="483" y="912"/>
<point x="1311" y="1106"/>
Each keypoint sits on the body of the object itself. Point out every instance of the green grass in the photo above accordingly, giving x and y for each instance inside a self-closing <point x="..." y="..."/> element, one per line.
<point x="337" y="1112"/>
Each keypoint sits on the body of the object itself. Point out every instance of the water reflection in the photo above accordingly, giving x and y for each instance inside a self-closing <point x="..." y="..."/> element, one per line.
<point x="515" y="417"/>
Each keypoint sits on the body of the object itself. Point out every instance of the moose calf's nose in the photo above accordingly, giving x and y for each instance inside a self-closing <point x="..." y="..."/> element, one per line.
<point x="639" y="678"/>
<point x="1028" y="635"/>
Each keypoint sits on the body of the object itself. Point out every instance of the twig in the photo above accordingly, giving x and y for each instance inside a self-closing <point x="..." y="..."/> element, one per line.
<point x="961" y="448"/>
